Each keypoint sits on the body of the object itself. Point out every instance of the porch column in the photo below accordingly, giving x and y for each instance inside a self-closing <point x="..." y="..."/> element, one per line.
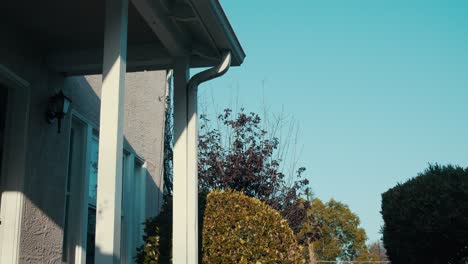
<point x="109" y="183"/>
<point x="185" y="204"/>
<point x="192" y="176"/>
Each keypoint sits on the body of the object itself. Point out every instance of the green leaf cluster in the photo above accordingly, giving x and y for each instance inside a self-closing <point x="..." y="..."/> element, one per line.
<point x="151" y="250"/>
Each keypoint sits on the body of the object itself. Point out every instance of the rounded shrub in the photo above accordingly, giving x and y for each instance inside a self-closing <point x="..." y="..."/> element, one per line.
<point x="426" y="218"/>
<point x="241" y="229"/>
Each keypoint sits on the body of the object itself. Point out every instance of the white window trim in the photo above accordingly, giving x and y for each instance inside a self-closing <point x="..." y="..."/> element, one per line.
<point x="134" y="206"/>
<point x="77" y="238"/>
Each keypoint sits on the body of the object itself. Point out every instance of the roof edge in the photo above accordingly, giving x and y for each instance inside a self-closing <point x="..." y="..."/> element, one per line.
<point x="221" y="25"/>
<point x="219" y="11"/>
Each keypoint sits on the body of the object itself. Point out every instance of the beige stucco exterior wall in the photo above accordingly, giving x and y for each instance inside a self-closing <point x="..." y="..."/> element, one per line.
<point x="45" y="179"/>
<point x="143" y="121"/>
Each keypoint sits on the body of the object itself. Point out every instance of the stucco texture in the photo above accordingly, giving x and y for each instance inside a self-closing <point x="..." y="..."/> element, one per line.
<point x="144" y="112"/>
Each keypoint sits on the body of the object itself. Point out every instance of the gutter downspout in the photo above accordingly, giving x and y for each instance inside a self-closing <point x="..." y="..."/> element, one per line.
<point x="193" y="250"/>
<point x="212" y="73"/>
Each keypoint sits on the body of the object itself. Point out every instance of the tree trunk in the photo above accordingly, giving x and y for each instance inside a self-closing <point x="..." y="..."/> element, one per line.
<point x="312" y="259"/>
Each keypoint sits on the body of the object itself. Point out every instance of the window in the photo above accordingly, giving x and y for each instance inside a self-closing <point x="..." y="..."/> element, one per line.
<point x="139" y="204"/>
<point x="73" y="240"/>
<point x="132" y="206"/>
<point x="92" y="195"/>
<point x="81" y="192"/>
<point x="67" y="197"/>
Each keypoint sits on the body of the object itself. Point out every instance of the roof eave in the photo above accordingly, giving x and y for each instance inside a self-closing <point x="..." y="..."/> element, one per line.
<point x="214" y="19"/>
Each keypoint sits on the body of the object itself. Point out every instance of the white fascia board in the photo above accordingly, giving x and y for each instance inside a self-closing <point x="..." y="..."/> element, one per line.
<point x="215" y="21"/>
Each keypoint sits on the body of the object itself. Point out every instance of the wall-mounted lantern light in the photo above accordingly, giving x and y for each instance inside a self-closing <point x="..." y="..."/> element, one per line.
<point x="57" y="108"/>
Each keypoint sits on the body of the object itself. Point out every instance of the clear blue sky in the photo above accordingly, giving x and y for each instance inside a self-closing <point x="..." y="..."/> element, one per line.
<point x="380" y="87"/>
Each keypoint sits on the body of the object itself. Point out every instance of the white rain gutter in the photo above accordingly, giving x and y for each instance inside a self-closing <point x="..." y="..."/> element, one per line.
<point x="212" y="73"/>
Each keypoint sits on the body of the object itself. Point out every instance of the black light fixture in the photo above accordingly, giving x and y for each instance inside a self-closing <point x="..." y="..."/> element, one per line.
<point x="57" y="108"/>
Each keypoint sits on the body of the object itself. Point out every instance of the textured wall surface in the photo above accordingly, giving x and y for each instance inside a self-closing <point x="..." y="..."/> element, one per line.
<point x="44" y="182"/>
<point x="45" y="179"/>
<point x="143" y="121"/>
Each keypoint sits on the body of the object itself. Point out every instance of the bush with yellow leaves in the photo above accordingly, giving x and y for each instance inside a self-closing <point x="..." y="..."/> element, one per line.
<point x="241" y="229"/>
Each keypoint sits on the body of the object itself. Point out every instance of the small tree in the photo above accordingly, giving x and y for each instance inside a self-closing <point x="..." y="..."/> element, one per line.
<point x="334" y="232"/>
<point x="426" y="218"/>
<point x="239" y="155"/>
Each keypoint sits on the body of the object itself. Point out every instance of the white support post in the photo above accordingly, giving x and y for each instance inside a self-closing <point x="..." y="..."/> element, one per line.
<point x="109" y="184"/>
<point x="185" y="205"/>
<point x="179" y="225"/>
<point x="192" y="175"/>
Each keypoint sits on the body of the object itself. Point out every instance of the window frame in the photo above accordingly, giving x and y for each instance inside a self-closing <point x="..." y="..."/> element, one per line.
<point x="133" y="195"/>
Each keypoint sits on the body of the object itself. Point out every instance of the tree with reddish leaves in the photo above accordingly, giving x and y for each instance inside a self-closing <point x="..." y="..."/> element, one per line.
<point x="239" y="154"/>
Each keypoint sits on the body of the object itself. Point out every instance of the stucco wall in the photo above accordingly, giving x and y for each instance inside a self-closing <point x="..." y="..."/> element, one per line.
<point x="143" y="120"/>
<point x="44" y="183"/>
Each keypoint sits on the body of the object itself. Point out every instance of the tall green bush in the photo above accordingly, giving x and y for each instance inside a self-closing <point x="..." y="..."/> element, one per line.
<point x="426" y="218"/>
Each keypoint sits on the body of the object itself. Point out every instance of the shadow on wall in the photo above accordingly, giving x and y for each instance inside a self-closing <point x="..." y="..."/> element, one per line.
<point x="47" y="163"/>
<point x="106" y="255"/>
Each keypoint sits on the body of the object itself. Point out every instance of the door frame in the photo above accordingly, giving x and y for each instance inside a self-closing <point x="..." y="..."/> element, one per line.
<point x="133" y="211"/>
<point x="14" y="164"/>
<point x="76" y="213"/>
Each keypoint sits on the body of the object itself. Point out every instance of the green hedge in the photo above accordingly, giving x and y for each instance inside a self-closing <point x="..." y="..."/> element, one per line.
<point x="426" y="218"/>
<point x="241" y="229"/>
<point x="235" y="229"/>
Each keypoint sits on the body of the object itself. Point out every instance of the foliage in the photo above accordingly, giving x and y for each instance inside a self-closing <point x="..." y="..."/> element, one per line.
<point x="334" y="232"/>
<point x="426" y="218"/>
<point x="168" y="141"/>
<point x="366" y="255"/>
<point x="251" y="232"/>
<point x="306" y="226"/>
<point x="239" y="155"/>
<point x="150" y="250"/>
<point x="157" y="238"/>
<point x="377" y="248"/>
<point x="264" y="234"/>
